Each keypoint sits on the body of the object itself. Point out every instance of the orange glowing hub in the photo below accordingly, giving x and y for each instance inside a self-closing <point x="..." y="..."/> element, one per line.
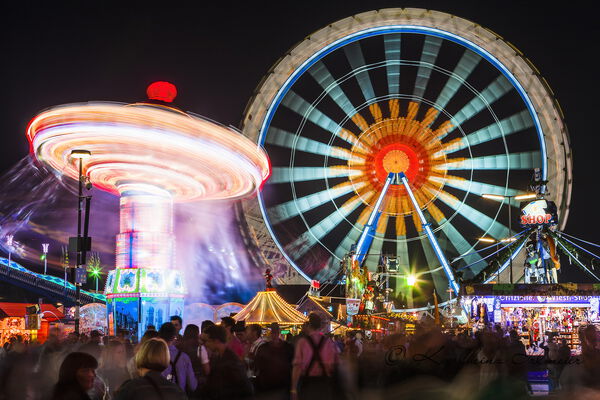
<point x="412" y="159"/>
<point x="398" y="143"/>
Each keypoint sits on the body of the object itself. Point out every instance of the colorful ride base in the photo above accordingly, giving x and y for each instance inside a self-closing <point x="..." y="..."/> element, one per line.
<point x="138" y="297"/>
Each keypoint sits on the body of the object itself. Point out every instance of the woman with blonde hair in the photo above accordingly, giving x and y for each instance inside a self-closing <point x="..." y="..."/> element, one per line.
<point x="151" y="360"/>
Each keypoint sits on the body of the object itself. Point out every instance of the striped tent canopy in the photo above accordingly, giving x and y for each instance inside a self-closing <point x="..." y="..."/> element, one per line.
<point x="268" y="307"/>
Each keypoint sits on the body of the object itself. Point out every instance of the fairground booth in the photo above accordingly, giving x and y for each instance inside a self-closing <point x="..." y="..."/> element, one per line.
<point x="30" y="322"/>
<point x="268" y="307"/>
<point x="536" y="311"/>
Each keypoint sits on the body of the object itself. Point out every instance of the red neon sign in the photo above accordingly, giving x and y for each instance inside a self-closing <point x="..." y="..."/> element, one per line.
<point x="535" y="219"/>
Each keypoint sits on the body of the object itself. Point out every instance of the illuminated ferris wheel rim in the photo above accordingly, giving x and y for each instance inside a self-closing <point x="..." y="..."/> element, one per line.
<point x="382" y="30"/>
<point x="188" y="157"/>
<point x="523" y="77"/>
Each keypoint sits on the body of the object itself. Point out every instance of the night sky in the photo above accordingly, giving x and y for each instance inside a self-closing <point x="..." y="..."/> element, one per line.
<point x="62" y="52"/>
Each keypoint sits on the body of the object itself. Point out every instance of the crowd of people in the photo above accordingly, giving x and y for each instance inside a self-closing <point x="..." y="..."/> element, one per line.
<point x="230" y="360"/>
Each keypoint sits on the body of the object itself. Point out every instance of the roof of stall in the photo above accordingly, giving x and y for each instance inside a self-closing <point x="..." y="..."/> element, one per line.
<point x="50" y="312"/>
<point x="268" y="307"/>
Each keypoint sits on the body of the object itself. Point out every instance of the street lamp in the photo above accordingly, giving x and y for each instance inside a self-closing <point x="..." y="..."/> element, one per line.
<point x="45" y="256"/>
<point x="9" y="243"/>
<point x="492" y="240"/>
<point x="80" y="155"/>
<point x="524" y="196"/>
<point x="95" y="273"/>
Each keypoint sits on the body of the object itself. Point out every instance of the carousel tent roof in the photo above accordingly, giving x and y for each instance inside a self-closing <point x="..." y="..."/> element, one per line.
<point x="268" y="307"/>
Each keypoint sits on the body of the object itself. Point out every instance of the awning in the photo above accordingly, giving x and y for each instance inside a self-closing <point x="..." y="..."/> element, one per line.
<point x="49" y="312"/>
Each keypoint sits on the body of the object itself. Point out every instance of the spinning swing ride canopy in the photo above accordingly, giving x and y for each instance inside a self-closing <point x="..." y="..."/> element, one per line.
<point x="457" y="109"/>
<point x="151" y="147"/>
<point x="268" y="307"/>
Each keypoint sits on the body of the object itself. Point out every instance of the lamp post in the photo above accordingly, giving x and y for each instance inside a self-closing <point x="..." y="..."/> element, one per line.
<point x="95" y="272"/>
<point x="492" y="240"/>
<point x="503" y="197"/>
<point x="81" y="246"/>
<point x="9" y="243"/>
<point x="45" y="250"/>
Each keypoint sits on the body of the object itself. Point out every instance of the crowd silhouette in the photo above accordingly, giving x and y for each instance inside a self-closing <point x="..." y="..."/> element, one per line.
<point x="232" y="361"/>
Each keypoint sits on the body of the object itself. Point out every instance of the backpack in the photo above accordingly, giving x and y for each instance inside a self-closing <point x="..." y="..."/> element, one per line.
<point x="172" y="377"/>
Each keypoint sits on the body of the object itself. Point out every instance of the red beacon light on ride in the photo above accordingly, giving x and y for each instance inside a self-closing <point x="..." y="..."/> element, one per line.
<point x="162" y="91"/>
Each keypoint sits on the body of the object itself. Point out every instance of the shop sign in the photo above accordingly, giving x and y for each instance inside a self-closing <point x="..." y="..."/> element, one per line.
<point x="545" y="299"/>
<point x="352" y="306"/>
<point x="536" y="213"/>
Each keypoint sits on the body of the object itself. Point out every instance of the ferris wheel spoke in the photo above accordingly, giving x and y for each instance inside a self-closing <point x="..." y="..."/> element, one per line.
<point x="289" y="140"/>
<point x="324" y="78"/>
<point x="494" y="91"/>
<point x="487" y="224"/>
<point x="440" y="132"/>
<point x="394" y="107"/>
<point x="402" y="253"/>
<point x="436" y="213"/>
<point x="350" y="137"/>
<point x="439" y="278"/>
<point x="514" y="161"/>
<point x="458" y="241"/>
<point x="292" y="208"/>
<point x="461" y="73"/>
<point x="374" y="253"/>
<point x="303" y="108"/>
<point x="310" y="237"/>
<point x="357" y="61"/>
<point x="376" y="112"/>
<point x="508" y="126"/>
<point x="431" y="48"/>
<point x="302" y="174"/>
<point x="478" y="188"/>
<point x="392" y="53"/>
<point x="401" y="205"/>
<point x="373" y="256"/>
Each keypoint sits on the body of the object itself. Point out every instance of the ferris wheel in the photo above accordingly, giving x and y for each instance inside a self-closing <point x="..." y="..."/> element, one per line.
<point x="447" y="102"/>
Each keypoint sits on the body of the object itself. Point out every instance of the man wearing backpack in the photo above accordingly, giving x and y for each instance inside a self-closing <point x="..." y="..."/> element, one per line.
<point x="180" y="370"/>
<point x="315" y="358"/>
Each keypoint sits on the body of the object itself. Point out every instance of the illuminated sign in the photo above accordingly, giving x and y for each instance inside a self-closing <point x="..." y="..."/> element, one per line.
<point x="539" y="212"/>
<point x="545" y="299"/>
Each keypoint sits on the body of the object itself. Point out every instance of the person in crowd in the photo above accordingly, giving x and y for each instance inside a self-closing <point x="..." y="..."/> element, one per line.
<point x="273" y="366"/>
<point x="178" y="324"/>
<point x="204" y="351"/>
<point x="227" y="379"/>
<point x="16" y="370"/>
<point x="239" y="330"/>
<point x="151" y="360"/>
<point x="255" y="340"/>
<point x="93" y="346"/>
<point x="113" y="369"/>
<point x="190" y="345"/>
<point x="76" y="377"/>
<point x="232" y="340"/>
<point x="131" y="368"/>
<point x="314" y="361"/>
<point x="179" y="370"/>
